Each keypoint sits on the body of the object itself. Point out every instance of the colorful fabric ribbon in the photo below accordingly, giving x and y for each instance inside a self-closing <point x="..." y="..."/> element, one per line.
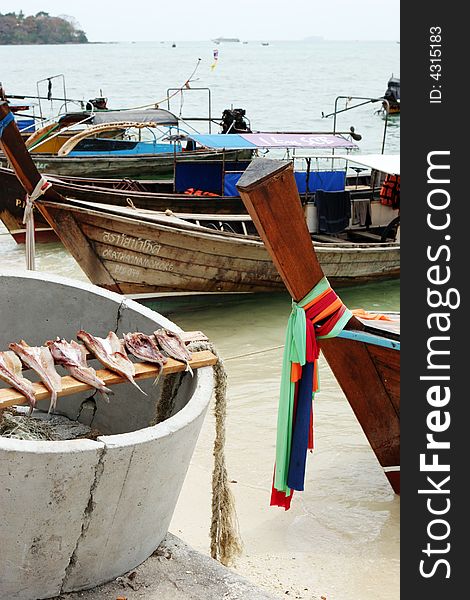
<point x="320" y="314"/>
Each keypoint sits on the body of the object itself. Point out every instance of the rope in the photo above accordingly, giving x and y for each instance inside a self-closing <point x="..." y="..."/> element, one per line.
<point x="5" y="122"/>
<point x="253" y="353"/>
<point x="28" y="218"/>
<point x="226" y="543"/>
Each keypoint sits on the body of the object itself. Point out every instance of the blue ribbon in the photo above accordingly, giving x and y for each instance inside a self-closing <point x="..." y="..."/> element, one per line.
<point x="5" y="122"/>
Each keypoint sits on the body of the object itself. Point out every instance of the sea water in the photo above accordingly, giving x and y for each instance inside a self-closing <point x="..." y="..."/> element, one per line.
<point x="340" y="539"/>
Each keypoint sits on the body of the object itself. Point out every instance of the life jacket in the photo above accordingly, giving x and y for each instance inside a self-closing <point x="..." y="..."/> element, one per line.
<point x="193" y="192"/>
<point x="390" y="191"/>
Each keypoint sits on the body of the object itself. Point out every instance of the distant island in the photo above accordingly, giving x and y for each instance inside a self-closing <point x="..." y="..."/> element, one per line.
<point x="39" y="29"/>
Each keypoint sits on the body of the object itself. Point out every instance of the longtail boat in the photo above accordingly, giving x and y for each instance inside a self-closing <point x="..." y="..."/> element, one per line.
<point x="365" y="359"/>
<point x="143" y="252"/>
<point x="209" y="187"/>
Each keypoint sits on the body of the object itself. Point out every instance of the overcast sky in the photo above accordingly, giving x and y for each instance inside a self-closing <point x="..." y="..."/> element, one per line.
<point x="154" y="20"/>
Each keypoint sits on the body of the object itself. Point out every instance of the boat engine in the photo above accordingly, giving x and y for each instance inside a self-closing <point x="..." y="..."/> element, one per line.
<point x="97" y="103"/>
<point x="234" y="121"/>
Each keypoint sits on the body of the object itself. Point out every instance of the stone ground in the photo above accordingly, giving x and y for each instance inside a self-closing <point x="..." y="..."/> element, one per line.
<point x="175" y="572"/>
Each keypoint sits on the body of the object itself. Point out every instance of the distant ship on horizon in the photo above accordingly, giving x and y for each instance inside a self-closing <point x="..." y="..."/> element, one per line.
<point x="225" y="39"/>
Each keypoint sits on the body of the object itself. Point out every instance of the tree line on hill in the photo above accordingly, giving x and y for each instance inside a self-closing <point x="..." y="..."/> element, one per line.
<point x="39" y="29"/>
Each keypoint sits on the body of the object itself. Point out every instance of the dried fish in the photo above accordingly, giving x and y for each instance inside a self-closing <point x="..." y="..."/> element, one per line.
<point x="173" y="345"/>
<point x="10" y="372"/>
<point x="111" y="353"/>
<point x="145" y="348"/>
<point x="39" y="359"/>
<point x="72" y="356"/>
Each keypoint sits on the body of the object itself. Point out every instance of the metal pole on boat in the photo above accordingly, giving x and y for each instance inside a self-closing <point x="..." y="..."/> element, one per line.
<point x="387" y="112"/>
<point x="366" y="101"/>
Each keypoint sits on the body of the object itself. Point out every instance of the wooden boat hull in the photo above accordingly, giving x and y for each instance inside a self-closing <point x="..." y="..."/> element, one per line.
<point x="107" y="191"/>
<point x="142" y="166"/>
<point x="377" y="413"/>
<point x="152" y="255"/>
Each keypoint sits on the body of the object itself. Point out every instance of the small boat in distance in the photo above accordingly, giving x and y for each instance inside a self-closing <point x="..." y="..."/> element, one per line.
<point x="225" y="39"/>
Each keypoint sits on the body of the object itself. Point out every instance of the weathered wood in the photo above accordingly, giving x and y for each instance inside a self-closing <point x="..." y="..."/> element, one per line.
<point x="270" y="194"/>
<point x="70" y="385"/>
<point x="76" y="243"/>
<point x="364" y="388"/>
<point x="258" y="185"/>
<point x="162" y="255"/>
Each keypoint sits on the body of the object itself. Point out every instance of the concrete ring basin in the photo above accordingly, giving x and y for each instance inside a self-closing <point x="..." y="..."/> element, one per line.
<point x="78" y="513"/>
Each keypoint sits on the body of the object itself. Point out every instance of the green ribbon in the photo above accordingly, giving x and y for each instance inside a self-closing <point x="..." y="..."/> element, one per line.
<point x="295" y="352"/>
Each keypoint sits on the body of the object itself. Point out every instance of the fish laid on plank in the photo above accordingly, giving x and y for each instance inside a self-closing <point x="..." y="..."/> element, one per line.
<point x="10" y="372"/>
<point x="173" y="345"/>
<point x="145" y="348"/>
<point x="39" y="359"/>
<point x="111" y="353"/>
<point x="72" y="356"/>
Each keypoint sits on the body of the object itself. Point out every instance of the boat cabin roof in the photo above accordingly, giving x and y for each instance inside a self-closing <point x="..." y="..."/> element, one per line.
<point x="153" y="115"/>
<point x="241" y="141"/>
<point x="387" y="163"/>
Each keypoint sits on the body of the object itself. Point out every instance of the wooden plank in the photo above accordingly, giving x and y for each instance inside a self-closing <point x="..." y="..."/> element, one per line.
<point x="70" y="385"/>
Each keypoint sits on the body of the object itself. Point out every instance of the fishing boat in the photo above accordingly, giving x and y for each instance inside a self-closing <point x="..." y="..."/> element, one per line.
<point x="99" y="505"/>
<point x="109" y="144"/>
<point x="135" y="251"/>
<point x="209" y="186"/>
<point x="365" y="355"/>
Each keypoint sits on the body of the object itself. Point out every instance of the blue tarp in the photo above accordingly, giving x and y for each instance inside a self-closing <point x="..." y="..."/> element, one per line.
<point x="329" y="181"/>
<point x="205" y="175"/>
<point x="26" y="124"/>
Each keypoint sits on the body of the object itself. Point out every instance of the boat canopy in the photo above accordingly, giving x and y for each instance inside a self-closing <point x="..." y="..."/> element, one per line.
<point x="241" y="141"/>
<point x="387" y="163"/>
<point x="153" y="115"/>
